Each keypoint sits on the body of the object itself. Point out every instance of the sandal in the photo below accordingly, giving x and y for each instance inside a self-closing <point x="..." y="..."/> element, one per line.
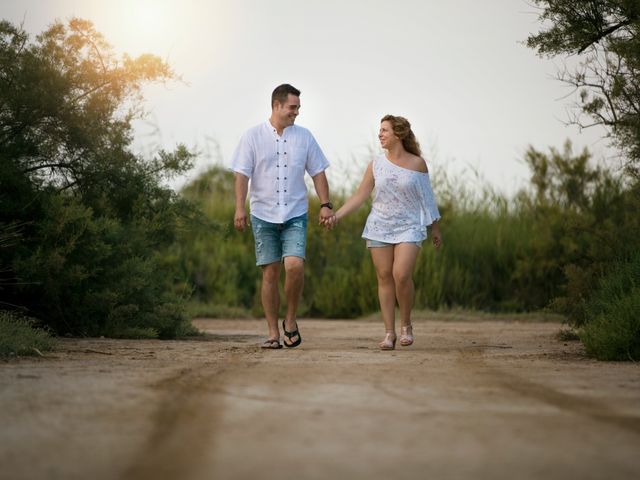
<point x="290" y="335"/>
<point x="389" y="342"/>
<point x="406" y="335"/>
<point x="271" y="344"/>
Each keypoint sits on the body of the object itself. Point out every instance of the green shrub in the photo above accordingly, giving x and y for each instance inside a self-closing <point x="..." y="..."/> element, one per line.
<point x="612" y="330"/>
<point x="85" y="223"/>
<point x="19" y="336"/>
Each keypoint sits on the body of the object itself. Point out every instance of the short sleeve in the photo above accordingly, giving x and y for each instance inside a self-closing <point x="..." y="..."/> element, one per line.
<point x="316" y="161"/>
<point x="243" y="159"/>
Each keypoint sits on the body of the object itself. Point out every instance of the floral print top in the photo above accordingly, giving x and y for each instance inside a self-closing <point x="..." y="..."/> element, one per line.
<point x="403" y="204"/>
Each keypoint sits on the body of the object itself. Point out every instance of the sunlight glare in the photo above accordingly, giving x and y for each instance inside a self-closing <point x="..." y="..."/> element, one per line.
<point x="146" y="23"/>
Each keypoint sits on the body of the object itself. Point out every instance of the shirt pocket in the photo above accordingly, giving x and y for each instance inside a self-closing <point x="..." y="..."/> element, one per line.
<point x="296" y="159"/>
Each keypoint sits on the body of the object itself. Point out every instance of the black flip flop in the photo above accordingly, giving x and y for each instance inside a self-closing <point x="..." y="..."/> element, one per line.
<point x="290" y="335"/>
<point x="271" y="345"/>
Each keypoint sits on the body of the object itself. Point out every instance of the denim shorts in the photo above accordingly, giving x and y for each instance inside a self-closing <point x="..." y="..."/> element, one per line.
<point x="378" y="244"/>
<point x="274" y="241"/>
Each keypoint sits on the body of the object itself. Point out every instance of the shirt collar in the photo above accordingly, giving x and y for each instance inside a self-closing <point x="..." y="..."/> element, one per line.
<point x="273" y="130"/>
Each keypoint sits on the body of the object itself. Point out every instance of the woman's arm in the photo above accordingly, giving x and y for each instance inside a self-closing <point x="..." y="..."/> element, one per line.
<point x="357" y="199"/>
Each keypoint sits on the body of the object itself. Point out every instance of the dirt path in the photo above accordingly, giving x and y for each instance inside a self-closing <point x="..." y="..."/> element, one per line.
<point x="471" y="399"/>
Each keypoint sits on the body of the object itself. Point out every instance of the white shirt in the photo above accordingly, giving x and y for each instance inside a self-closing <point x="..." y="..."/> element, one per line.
<point x="276" y="166"/>
<point x="403" y="204"/>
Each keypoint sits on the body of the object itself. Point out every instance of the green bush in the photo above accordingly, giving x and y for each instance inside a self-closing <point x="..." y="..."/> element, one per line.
<point x="19" y="336"/>
<point x="612" y="330"/>
<point x="85" y="224"/>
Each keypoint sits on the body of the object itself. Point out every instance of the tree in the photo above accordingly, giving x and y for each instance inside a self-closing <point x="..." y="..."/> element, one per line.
<point x="604" y="33"/>
<point x="91" y="218"/>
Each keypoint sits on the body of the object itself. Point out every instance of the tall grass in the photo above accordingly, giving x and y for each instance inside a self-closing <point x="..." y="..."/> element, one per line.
<point x="483" y="242"/>
<point x="20" y="336"/>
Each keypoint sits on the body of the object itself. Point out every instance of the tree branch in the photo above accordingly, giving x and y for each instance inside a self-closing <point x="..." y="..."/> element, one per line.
<point x="603" y="34"/>
<point x="48" y="165"/>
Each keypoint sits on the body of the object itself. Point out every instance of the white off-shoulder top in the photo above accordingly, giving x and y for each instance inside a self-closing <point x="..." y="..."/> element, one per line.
<point x="403" y="204"/>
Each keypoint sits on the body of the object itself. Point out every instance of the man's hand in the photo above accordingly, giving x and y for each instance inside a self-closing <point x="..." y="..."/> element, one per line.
<point x="240" y="220"/>
<point x="327" y="218"/>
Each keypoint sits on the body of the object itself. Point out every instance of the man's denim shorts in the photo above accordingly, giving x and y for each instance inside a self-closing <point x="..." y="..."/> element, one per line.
<point x="274" y="241"/>
<point x="378" y="244"/>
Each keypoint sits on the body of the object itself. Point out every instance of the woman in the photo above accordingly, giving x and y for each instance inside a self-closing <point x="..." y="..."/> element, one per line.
<point x="403" y="206"/>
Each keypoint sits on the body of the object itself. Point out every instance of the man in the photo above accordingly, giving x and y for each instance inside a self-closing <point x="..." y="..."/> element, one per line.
<point x="275" y="156"/>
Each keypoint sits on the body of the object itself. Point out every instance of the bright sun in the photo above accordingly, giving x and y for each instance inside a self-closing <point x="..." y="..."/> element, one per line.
<point x="146" y="22"/>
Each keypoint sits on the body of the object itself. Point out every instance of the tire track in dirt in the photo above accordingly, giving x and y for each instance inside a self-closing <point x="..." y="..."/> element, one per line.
<point x="186" y="415"/>
<point x="590" y="408"/>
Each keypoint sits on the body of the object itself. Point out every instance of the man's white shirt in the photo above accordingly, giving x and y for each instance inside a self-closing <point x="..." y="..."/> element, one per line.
<point x="276" y="166"/>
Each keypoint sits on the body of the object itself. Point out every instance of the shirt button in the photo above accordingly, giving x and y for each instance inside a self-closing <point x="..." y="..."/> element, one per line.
<point x="285" y="178"/>
<point x="285" y="165"/>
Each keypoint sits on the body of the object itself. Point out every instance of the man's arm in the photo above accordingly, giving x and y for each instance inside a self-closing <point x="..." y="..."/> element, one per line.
<point x="240" y="220"/>
<point x="322" y="190"/>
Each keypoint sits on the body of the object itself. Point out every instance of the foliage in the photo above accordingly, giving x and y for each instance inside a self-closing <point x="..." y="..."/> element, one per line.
<point x="20" y="336"/>
<point x="580" y="216"/>
<point x="604" y="223"/>
<point x="499" y="254"/>
<point x="606" y="35"/>
<point x="89" y="220"/>
<point x="612" y="330"/>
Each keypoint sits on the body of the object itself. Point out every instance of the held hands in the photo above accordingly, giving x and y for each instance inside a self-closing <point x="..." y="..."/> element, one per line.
<point x="327" y="218"/>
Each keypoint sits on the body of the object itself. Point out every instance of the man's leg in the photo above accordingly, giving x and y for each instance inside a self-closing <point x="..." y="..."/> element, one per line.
<point x="271" y="297"/>
<point x="293" y="286"/>
<point x="268" y="257"/>
<point x="294" y="244"/>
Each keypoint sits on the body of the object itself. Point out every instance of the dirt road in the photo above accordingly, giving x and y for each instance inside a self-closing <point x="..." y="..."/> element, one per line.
<point x="471" y="399"/>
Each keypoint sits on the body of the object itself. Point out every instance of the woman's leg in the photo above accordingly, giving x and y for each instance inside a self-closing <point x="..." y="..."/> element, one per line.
<point x="404" y="261"/>
<point x="383" y="262"/>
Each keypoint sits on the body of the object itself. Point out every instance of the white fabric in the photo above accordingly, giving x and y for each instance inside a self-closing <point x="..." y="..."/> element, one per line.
<point x="403" y="204"/>
<point x="276" y="166"/>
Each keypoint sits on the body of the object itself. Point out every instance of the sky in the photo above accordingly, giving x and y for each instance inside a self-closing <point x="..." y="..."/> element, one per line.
<point x="459" y="71"/>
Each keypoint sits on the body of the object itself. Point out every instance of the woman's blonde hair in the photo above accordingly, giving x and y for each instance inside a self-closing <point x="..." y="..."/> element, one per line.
<point x="402" y="129"/>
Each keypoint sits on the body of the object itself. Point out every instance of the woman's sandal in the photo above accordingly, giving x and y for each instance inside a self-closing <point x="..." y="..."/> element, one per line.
<point x="290" y="335"/>
<point x="271" y="344"/>
<point x="389" y="342"/>
<point x="406" y="335"/>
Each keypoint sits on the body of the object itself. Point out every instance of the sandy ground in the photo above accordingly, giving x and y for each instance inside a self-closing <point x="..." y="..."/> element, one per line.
<point x="469" y="400"/>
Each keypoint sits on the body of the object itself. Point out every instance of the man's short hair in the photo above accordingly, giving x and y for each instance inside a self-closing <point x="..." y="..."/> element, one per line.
<point x="281" y="93"/>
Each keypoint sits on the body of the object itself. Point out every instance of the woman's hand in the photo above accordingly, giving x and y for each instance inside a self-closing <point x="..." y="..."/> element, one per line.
<point x="329" y="222"/>
<point x="436" y="238"/>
